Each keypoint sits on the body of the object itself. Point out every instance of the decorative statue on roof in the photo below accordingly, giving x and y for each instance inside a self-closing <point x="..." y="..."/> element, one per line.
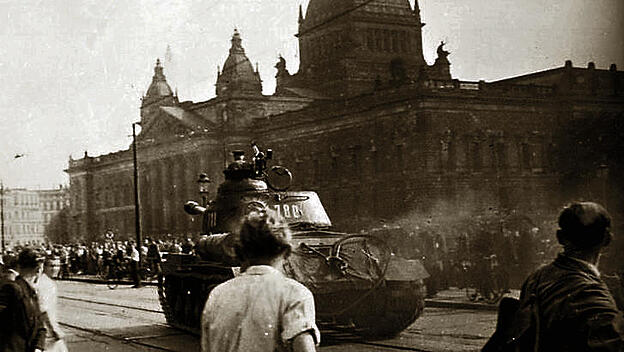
<point x="282" y="77"/>
<point x="441" y="67"/>
<point x="281" y="67"/>
<point x="441" y="52"/>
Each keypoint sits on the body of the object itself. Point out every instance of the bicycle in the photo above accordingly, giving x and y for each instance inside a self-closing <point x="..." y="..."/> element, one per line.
<point x="114" y="273"/>
<point x="64" y="272"/>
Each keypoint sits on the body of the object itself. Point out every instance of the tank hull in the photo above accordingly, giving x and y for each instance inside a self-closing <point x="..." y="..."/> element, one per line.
<point x="368" y="307"/>
<point x="358" y="284"/>
<point x="380" y="312"/>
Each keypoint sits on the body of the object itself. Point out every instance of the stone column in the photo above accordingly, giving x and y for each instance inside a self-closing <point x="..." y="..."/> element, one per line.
<point x="180" y="192"/>
<point x="160" y="191"/>
<point x="148" y="198"/>
<point x="168" y="192"/>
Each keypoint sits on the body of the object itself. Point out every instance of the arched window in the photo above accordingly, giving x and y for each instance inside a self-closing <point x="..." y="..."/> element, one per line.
<point x="403" y="41"/>
<point x="386" y="40"/>
<point x="526" y="156"/>
<point x="475" y="150"/>
<point x="395" y="41"/>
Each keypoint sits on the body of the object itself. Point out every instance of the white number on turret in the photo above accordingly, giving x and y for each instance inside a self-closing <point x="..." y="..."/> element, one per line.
<point x="289" y="211"/>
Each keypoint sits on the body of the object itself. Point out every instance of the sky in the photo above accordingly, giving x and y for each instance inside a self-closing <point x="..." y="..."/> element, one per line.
<point x="72" y="72"/>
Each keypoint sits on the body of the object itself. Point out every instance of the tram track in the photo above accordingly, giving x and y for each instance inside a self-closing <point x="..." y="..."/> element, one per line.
<point x="393" y="347"/>
<point x="334" y="337"/>
<point x="110" y="304"/>
<point x="133" y="340"/>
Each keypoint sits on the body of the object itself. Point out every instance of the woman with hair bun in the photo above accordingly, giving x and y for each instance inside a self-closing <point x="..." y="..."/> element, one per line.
<point x="261" y="309"/>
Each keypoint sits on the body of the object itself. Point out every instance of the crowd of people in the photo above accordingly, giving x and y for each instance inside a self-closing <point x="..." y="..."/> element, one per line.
<point x="563" y="306"/>
<point x="93" y="259"/>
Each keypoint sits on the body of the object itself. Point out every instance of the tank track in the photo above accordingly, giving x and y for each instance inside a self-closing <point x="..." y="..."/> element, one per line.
<point x="168" y="310"/>
<point x="164" y="304"/>
<point x="392" y="317"/>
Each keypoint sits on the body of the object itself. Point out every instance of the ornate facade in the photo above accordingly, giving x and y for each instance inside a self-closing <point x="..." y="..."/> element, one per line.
<point x="23" y="217"/>
<point x="367" y="123"/>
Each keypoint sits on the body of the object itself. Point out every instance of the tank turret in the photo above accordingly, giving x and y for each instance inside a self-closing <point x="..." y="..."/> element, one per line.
<point x="358" y="283"/>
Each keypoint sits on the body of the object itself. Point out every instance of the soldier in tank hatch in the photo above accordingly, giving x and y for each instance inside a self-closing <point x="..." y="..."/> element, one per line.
<point x="260" y="310"/>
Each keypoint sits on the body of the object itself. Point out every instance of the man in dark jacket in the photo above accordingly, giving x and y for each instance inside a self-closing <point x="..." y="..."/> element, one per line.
<point x="574" y="309"/>
<point x="21" y="322"/>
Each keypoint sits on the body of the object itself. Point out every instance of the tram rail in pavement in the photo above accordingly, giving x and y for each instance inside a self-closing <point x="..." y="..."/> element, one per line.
<point x="451" y="298"/>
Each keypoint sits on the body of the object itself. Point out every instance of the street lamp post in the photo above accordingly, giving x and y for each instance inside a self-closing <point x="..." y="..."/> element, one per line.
<point x="2" y="214"/>
<point x="204" y="183"/>
<point x="137" y="214"/>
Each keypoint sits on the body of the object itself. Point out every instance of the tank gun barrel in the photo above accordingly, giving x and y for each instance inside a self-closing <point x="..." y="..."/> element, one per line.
<point x="193" y="208"/>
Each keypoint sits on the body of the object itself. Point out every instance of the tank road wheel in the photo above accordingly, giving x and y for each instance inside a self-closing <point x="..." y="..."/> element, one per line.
<point x="399" y="305"/>
<point x="164" y="290"/>
<point x="386" y="326"/>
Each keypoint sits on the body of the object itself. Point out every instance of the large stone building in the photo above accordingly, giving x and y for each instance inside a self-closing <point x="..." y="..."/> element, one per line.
<point x="23" y="219"/>
<point x="29" y="215"/>
<point x="378" y="132"/>
<point x="53" y="204"/>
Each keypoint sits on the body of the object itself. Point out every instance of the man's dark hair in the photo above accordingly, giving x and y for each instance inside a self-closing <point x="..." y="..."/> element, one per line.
<point x="584" y="225"/>
<point x="29" y="258"/>
<point x="10" y="261"/>
<point x="263" y="236"/>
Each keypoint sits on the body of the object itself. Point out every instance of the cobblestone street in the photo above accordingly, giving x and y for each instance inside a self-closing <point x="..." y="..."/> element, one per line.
<point x="125" y="319"/>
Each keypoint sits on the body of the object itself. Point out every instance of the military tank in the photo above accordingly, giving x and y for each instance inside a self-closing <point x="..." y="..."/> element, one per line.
<point x="359" y="285"/>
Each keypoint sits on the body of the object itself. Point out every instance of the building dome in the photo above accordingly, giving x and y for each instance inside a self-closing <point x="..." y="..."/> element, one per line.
<point x="158" y="94"/>
<point x="347" y="47"/>
<point x="159" y="86"/>
<point x="320" y="12"/>
<point x="238" y="76"/>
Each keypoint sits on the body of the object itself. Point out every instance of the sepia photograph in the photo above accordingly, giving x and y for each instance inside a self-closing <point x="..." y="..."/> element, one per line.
<point x="311" y="175"/>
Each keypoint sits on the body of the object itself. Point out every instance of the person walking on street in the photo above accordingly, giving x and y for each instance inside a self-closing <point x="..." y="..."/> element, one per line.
<point x="134" y="265"/>
<point x="47" y="304"/>
<point x="153" y="260"/>
<point x="260" y="310"/>
<point x="21" y="323"/>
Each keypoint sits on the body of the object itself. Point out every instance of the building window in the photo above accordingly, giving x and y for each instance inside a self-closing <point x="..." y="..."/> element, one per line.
<point x="386" y="41"/>
<point x="549" y="157"/>
<point x="475" y="155"/>
<point x="317" y="171"/>
<point x="375" y="157"/>
<point x="403" y="42"/>
<point x="395" y="42"/>
<point x="499" y="156"/>
<point x="451" y="155"/>
<point x="398" y="157"/>
<point x="526" y="156"/>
